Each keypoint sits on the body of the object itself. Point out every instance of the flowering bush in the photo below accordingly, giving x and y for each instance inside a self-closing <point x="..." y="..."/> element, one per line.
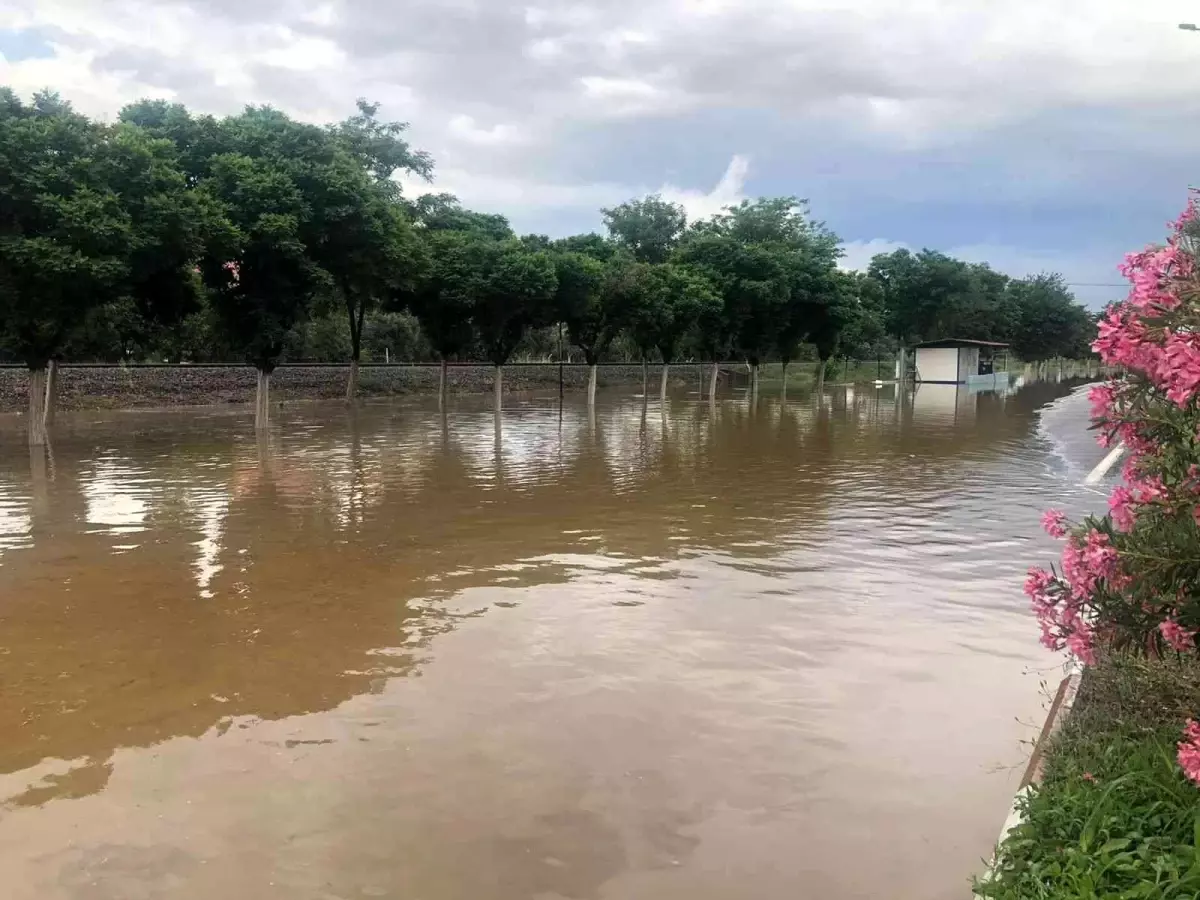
<point x="1189" y="751"/>
<point x="1131" y="578"/>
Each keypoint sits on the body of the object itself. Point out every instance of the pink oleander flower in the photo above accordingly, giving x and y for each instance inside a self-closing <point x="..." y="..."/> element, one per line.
<point x="1121" y="505"/>
<point x="1082" y="644"/>
<point x="1150" y="274"/>
<point x="1101" y="397"/>
<point x="1178" y="637"/>
<point x="1049" y="639"/>
<point x="1054" y="521"/>
<point x="1100" y="555"/>
<point x="1038" y="582"/>
<point x="1129" y="470"/>
<point x="1149" y="489"/>
<point x="1179" y="373"/>
<point x="1086" y="564"/>
<point x="1189" y="751"/>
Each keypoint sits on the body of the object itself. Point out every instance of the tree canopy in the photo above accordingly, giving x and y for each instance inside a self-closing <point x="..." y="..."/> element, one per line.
<point x="171" y="235"/>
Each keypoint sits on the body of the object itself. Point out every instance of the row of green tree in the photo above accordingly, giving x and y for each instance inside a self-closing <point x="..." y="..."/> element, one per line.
<point x="189" y="237"/>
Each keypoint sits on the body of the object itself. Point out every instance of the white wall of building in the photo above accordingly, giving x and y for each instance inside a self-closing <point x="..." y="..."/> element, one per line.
<point x="938" y="364"/>
<point x="968" y="361"/>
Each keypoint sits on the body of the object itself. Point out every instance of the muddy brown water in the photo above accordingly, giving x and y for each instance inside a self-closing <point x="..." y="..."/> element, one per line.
<point x="680" y="653"/>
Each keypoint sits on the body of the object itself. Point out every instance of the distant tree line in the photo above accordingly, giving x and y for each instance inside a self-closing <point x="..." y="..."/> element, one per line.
<point x="171" y="236"/>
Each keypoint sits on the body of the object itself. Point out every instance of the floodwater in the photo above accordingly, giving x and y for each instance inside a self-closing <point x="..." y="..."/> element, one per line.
<point x="680" y="653"/>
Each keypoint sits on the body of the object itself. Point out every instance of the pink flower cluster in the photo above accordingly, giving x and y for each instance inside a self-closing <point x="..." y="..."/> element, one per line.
<point x="1060" y="616"/>
<point x="1169" y="358"/>
<point x="1122" y="507"/>
<point x="1087" y="563"/>
<point x="1152" y="274"/>
<point x="1055" y="523"/>
<point x="1178" y="637"/>
<point x="1155" y="337"/>
<point x="1189" y="751"/>
<point x="1102" y="397"/>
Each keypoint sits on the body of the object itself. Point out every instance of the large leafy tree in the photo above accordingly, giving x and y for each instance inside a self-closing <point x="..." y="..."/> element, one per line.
<point x="814" y="287"/>
<point x="171" y="225"/>
<point x="589" y="306"/>
<point x="1049" y="321"/>
<point x="594" y="245"/>
<point x="864" y="334"/>
<point x="832" y="320"/>
<point x="510" y="288"/>
<point x="63" y="233"/>
<point x="649" y="228"/>
<point x="499" y="287"/>
<point x="753" y="283"/>
<point x="367" y="246"/>
<point x="773" y="265"/>
<point x="90" y="215"/>
<point x="675" y="298"/>
<point x="262" y="276"/>
<point x="443" y="212"/>
<point x="981" y="310"/>
<point x="380" y="147"/>
<point x="443" y="299"/>
<point x="365" y="240"/>
<point x="928" y="293"/>
<point x="317" y="214"/>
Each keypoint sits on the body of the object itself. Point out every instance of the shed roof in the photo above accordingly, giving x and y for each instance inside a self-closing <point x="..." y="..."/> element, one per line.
<point x="957" y="342"/>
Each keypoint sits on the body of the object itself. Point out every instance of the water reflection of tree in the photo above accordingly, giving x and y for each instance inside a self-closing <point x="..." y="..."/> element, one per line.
<point x="332" y="549"/>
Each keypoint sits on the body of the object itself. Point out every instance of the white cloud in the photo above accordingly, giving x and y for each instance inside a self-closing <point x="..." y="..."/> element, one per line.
<point x="857" y="255"/>
<point x="323" y="15"/>
<point x="492" y="192"/>
<point x="729" y="191"/>
<point x="522" y="197"/>
<point x="303" y="53"/>
<point x="624" y="96"/>
<point x="465" y="128"/>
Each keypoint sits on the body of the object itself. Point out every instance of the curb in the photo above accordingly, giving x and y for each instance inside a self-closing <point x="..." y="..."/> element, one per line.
<point x="1060" y="708"/>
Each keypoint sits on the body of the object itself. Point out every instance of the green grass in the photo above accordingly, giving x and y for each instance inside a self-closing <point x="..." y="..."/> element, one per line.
<point x="804" y="374"/>
<point x="1114" y="818"/>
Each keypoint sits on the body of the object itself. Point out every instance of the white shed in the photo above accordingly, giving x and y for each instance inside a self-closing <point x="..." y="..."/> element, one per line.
<point x="956" y="361"/>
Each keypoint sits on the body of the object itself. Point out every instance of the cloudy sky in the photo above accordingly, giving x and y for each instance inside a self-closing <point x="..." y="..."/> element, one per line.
<point x="1034" y="134"/>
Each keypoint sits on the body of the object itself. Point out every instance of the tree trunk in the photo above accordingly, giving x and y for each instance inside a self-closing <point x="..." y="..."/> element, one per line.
<point x="442" y="386"/>
<point x="499" y="385"/>
<point x="645" y="375"/>
<point x="51" y="404"/>
<point x="592" y="385"/>
<point x="712" y="384"/>
<point x="821" y="375"/>
<point x="784" y="394"/>
<point x="356" y="312"/>
<point x="901" y="365"/>
<point x="662" y="392"/>
<point x="37" y="407"/>
<point x="262" y="401"/>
